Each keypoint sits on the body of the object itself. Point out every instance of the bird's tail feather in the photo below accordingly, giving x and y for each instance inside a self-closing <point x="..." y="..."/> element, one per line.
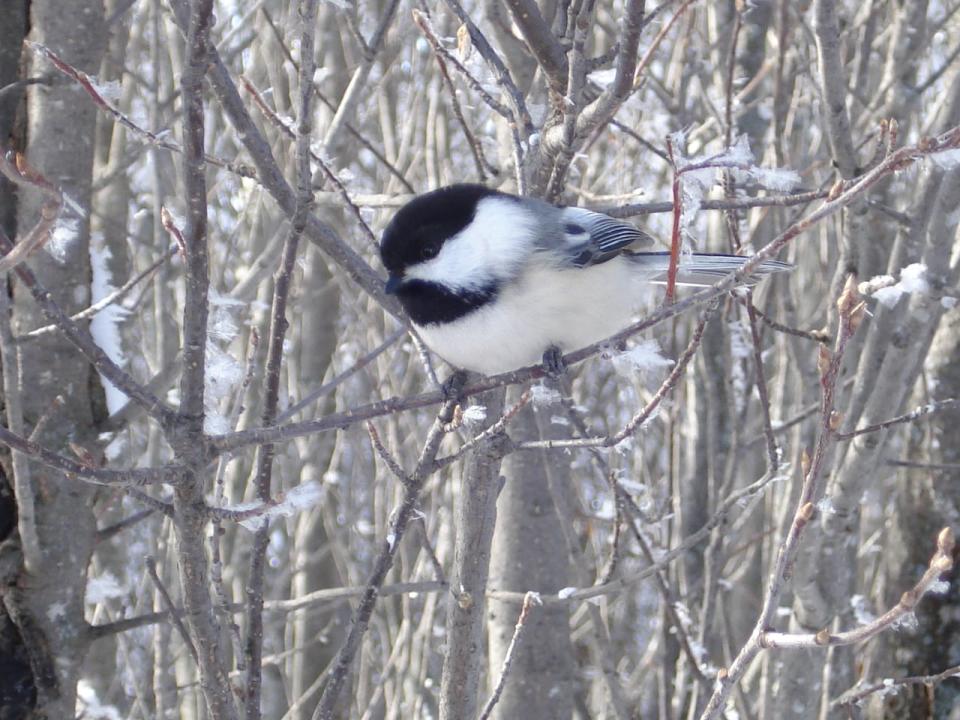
<point x="704" y="269"/>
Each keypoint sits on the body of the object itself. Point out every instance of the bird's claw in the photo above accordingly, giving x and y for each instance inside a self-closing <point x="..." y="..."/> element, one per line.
<point x="452" y="387"/>
<point x="553" y="364"/>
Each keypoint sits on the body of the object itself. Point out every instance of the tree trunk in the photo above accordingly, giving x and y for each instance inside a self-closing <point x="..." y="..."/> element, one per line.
<point x="47" y="604"/>
<point x="530" y="553"/>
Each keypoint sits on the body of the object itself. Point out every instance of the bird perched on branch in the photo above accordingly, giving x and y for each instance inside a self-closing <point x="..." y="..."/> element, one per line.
<point x="494" y="282"/>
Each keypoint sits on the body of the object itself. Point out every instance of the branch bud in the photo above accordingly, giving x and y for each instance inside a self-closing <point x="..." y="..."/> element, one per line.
<point x="464" y="44"/>
<point x="805" y="463"/>
<point x="849" y="296"/>
<point x="836" y="418"/>
<point x="822" y="638"/>
<point x="823" y="361"/>
<point x="836" y="190"/>
<point x="84" y="455"/>
<point x="806" y="512"/>
<point x="946" y="541"/>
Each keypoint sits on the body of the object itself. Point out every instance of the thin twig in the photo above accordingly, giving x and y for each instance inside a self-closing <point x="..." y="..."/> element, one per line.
<point x="529" y="600"/>
<point x="384" y="561"/>
<point x="928" y="409"/>
<point x="773" y="452"/>
<point x="743" y="203"/>
<point x="169" y="474"/>
<point x="948" y="467"/>
<point x="108" y="300"/>
<point x="940" y="563"/>
<point x="392" y="169"/>
<point x="253" y="651"/>
<point x="389" y="460"/>
<point x="648" y="410"/>
<point x="815" y="335"/>
<point x="851" y="311"/>
<point x="121" y="525"/>
<point x="423" y="22"/>
<point x="498" y="427"/>
<point x="862" y="691"/>
<point x="524" y="123"/>
<point x="476" y="150"/>
<point x="89" y="86"/>
<point x="618" y="585"/>
<point x="171" y="608"/>
<point x="338" y="379"/>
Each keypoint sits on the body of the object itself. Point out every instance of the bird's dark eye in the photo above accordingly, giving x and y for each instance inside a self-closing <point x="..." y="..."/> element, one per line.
<point x="573" y="229"/>
<point x="429" y="251"/>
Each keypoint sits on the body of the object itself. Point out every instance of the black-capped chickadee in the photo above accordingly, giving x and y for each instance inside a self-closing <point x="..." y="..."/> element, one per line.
<point x="493" y="281"/>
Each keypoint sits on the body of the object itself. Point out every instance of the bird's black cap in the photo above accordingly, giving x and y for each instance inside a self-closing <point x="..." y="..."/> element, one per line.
<point x="428" y="221"/>
<point x="415" y="234"/>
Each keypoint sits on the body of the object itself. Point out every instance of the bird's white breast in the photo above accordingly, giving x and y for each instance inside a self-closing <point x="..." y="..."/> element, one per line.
<point x="543" y="307"/>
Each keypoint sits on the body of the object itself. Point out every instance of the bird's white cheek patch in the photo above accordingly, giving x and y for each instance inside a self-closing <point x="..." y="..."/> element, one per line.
<point x="491" y="248"/>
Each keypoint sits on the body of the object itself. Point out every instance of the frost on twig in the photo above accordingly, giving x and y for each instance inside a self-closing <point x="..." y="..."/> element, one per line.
<point x="697" y="174"/>
<point x="645" y="356"/>
<point x="255" y="515"/>
<point x="885" y="290"/>
<point x="224" y="372"/>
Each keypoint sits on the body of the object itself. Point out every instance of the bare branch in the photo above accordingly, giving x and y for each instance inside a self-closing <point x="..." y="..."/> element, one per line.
<point x="15" y="169"/>
<point x="834" y="83"/>
<point x="331" y="176"/>
<point x="135" y="477"/>
<point x="322" y="234"/>
<point x="497" y="428"/>
<point x="114" y="297"/>
<point x="89" y="86"/>
<point x="745" y="203"/>
<point x="618" y="585"/>
<point x="186" y="436"/>
<point x="940" y="563"/>
<point x="862" y="691"/>
<point x="648" y="410"/>
<point x="336" y="381"/>
<point x="851" y="310"/>
<point x="541" y="41"/>
<point x="85" y="344"/>
<point x="358" y="82"/>
<point x="307" y="11"/>
<point x="932" y="407"/>
<point x="384" y="561"/>
<point x="773" y="452"/>
<point x="171" y="613"/>
<point x="529" y="600"/>
<point x="423" y="22"/>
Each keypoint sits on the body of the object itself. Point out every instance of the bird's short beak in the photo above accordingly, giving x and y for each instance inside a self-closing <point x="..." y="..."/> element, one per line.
<point x="393" y="284"/>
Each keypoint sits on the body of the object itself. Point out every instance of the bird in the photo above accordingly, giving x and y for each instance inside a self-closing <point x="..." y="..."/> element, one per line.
<point x="494" y="282"/>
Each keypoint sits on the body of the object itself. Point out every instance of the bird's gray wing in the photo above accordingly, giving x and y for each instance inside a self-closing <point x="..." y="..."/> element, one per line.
<point x="591" y="238"/>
